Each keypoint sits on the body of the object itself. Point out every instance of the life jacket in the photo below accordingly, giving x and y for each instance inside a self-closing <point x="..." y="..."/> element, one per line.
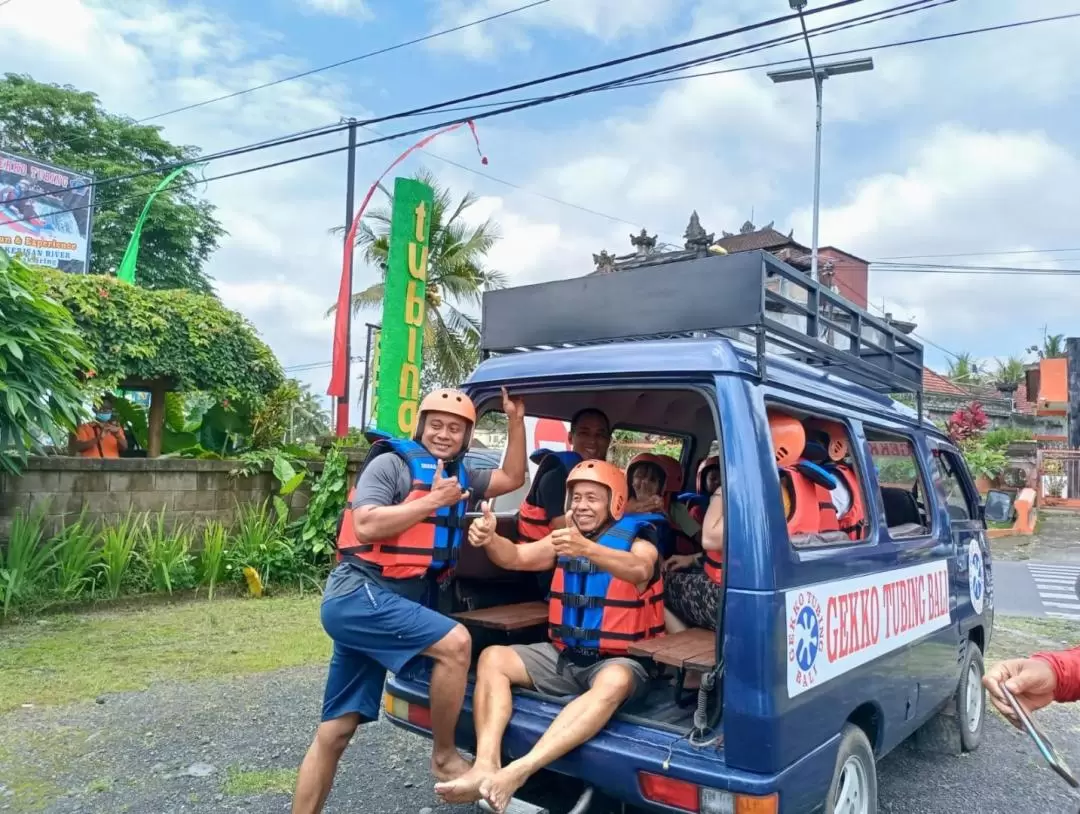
<point x="430" y="545"/>
<point x="811" y="509"/>
<point x="533" y="523"/>
<point x="592" y="613"/>
<point x="854" y="519"/>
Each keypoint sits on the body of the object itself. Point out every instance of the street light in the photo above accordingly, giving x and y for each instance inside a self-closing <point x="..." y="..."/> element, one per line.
<point x="819" y="73"/>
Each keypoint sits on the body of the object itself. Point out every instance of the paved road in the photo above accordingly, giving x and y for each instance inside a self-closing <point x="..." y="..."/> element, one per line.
<point x="1037" y="588"/>
<point x="170" y="749"/>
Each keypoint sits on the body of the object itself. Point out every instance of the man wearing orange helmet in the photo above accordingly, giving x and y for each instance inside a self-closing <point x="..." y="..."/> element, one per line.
<point x="606" y="594"/>
<point x="402" y="527"/>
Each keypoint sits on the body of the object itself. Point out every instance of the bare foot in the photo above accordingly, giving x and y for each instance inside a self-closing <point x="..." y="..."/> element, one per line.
<point x="449" y="767"/>
<point x="466" y="789"/>
<point x="500" y="788"/>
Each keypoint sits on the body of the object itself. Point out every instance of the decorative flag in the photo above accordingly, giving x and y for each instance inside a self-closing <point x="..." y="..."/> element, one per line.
<point x="340" y="371"/>
<point x="126" y="270"/>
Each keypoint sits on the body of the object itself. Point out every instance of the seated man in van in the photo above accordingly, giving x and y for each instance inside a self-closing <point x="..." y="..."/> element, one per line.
<point x="600" y="558"/>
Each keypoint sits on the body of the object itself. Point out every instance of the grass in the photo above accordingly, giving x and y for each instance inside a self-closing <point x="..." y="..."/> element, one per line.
<point x="1019" y="636"/>
<point x="80" y="656"/>
<point x="239" y="783"/>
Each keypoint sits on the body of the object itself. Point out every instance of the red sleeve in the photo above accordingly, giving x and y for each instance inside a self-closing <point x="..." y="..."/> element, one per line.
<point x="1066" y="666"/>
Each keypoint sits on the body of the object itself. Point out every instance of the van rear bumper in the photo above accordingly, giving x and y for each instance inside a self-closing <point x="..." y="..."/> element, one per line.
<point x="613" y="760"/>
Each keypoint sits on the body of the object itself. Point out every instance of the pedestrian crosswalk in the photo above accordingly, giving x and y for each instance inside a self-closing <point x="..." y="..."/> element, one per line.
<point x="1057" y="587"/>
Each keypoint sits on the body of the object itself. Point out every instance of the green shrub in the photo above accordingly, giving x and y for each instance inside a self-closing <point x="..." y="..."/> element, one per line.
<point x="212" y="556"/>
<point x="77" y="558"/>
<point x="27" y="562"/>
<point x="167" y="556"/>
<point x="258" y="540"/>
<point x="118" y="550"/>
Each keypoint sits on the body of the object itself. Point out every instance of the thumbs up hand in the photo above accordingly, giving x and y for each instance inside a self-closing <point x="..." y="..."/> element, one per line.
<point x="446" y="491"/>
<point x="569" y="542"/>
<point x="482" y="531"/>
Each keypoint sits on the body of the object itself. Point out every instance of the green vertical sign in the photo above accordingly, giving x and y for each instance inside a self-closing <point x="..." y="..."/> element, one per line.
<point x="401" y="338"/>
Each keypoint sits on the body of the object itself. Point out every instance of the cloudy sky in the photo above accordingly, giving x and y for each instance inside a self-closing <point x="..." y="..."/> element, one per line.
<point x="962" y="147"/>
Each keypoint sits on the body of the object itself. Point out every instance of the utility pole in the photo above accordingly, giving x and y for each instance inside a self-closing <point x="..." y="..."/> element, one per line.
<point x="819" y="73"/>
<point x="350" y="205"/>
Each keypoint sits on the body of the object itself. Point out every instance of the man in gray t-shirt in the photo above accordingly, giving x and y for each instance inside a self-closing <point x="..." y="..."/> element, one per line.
<point x="380" y="623"/>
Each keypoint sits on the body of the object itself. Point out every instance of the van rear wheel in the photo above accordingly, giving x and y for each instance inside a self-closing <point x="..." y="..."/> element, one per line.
<point x="971" y="699"/>
<point x="854" y="784"/>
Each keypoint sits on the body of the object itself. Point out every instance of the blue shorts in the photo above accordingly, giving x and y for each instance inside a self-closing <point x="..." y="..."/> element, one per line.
<point x="374" y="630"/>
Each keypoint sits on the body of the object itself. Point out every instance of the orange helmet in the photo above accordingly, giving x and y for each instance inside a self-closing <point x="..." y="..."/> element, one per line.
<point x="712" y="460"/>
<point x="673" y="474"/>
<point x="837" y="445"/>
<point x="448" y="401"/>
<point x="607" y="475"/>
<point x="788" y="438"/>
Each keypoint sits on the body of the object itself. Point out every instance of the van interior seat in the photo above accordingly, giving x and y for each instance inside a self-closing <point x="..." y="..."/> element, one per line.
<point x="693" y="649"/>
<point x="900" y="506"/>
<point x="519" y="616"/>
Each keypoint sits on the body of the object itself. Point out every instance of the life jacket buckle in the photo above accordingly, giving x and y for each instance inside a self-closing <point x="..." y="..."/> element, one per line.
<point x="582" y="601"/>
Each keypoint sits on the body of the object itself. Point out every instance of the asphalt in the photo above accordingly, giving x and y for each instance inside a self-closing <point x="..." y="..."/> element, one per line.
<point x="1037" y="588"/>
<point x="171" y="749"/>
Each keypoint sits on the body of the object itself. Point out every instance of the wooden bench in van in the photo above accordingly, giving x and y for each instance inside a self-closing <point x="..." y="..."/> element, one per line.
<point x="507" y="617"/>
<point x="692" y="651"/>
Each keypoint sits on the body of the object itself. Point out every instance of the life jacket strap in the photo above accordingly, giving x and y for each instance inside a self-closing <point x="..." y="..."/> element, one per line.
<point x="582" y="601"/>
<point x="572" y="632"/>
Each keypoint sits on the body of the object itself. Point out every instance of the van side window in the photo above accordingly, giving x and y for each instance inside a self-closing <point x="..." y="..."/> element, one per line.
<point x="950" y="484"/>
<point x="902" y="484"/>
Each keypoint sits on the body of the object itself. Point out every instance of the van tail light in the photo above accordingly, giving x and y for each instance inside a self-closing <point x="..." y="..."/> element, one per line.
<point x="685" y="796"/>
<point x="401" y="709"/>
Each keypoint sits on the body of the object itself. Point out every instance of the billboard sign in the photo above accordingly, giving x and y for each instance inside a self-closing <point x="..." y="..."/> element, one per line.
<point x="36" y="223"/>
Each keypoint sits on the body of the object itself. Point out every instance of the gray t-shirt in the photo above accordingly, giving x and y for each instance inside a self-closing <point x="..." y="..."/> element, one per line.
<point x="385" y="481"/>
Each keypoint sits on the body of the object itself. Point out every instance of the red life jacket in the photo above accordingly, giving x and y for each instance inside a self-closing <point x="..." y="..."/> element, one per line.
<point x="590" y="612"/>
<point x="811" y="509"/>
<point x="430" y="545"/>
<point x="533" y="522"/>
<point x="854" y="519"/>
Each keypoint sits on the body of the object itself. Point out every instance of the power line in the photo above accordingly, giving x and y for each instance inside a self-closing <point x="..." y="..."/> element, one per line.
<point x="973" y="254"/>
<point x="436" y="107"/>
<point x="349" y="61"/>
<point x="950" y="268"/>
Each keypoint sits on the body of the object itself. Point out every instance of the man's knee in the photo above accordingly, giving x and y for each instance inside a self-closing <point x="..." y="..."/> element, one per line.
<point x="334" y="735"/>
<point x="454" y="649"/>
<point x="614" y="684"/>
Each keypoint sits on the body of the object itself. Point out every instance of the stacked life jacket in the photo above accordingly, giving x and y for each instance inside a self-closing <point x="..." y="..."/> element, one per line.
<point x="430" y="545"/>
<point x="811" y="509"/>
<point x="593" y="614"/>
<point x="852" y="521"/>
<point x="533" y="522"/>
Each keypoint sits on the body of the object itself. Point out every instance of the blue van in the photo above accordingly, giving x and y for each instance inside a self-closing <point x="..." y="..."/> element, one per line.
<point x="829" y="650"/>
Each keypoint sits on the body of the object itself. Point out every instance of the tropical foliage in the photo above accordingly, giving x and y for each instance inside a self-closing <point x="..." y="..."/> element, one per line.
<point x="456" y="278"/>
<point x="189" y="340"/>
<point x="1010" y="371"/>
<point x="41" y="350"/>
<point x="69" y="128"/>
<point x="1053" y="347"/>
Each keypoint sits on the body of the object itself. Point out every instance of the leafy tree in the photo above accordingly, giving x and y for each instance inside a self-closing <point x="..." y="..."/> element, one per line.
<point x="166" y="341"/>
<point x="41" y="353"/>
<point x="308" y="419"/>
<point x="967" y="423"/>
<point x="69" y="127"/>
<point x="456" y="277"/>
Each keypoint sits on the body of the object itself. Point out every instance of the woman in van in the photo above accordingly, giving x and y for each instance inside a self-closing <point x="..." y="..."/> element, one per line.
<point x="692" y="582"/>
<point x="651" y="482"/>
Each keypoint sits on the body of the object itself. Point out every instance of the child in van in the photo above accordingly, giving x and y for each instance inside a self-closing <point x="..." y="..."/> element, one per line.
<point x="651" y="481"/>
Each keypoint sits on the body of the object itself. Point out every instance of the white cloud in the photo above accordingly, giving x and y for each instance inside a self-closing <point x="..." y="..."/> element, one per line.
<point x="605" y="20"/>
<point x="357" y="9"/>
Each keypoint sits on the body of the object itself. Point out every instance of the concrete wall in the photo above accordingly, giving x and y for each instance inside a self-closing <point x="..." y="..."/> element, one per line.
<point x="191" y="492"/>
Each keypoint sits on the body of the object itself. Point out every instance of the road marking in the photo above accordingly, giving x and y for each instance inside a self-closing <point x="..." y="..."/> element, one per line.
<point x="1055" y="583"/>
<point x="1058" y="615"/>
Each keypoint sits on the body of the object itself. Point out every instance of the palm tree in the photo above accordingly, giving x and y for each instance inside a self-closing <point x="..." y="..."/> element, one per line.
<point x="1053" y="347"/>
<point x="456" y="278"/>
<point x="1011" y="371"/>
<point x="308" y="420"/>
<point x="965" y="370"/>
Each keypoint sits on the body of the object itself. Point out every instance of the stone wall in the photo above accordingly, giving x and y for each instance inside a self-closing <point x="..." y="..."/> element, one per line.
<point x="191" y="492"/>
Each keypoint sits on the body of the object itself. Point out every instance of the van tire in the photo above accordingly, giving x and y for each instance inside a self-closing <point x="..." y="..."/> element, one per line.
<point x="855" y="764"/>
<point x="971" y="699"/>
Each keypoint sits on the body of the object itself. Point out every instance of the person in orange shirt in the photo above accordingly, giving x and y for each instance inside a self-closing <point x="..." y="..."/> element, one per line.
<point x="100" y="438"/>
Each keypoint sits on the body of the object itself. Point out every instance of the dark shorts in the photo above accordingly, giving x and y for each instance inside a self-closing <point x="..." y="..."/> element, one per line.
<point x="374" y="631"/>
<point x="692" y="596"/>
<point x="542" y="664"/>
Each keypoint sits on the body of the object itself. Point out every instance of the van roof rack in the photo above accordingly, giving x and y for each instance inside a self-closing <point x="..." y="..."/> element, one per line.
<point x="750" y="296"/>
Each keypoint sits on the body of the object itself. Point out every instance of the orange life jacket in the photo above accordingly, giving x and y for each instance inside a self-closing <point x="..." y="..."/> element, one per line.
<point x="533" y="522"/>
<point x="430" y="545"/>
<point x="811" y="509"/>
<point x="590" y="612"/>
<point x="854" y="519"/>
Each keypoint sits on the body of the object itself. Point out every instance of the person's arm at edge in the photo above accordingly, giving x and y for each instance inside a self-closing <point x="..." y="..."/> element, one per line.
<point x="712" y="526"/>
<point x="75" y="446"/>
<point x="511" y="475"/>
<point x="379" y="517"/>
<point x="121" y="440"/>
<point x="1066" y="667"/>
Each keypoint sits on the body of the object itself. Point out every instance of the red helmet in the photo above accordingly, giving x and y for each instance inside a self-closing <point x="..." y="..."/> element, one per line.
<point x="707" y="463"/>
<point x="607" y="475"/>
